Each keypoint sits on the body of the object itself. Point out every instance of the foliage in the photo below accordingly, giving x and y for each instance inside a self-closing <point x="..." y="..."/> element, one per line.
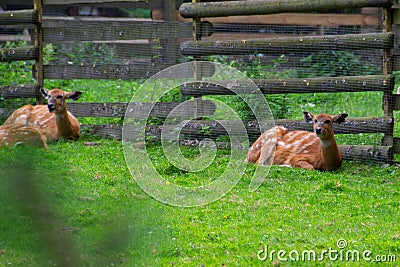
<point x="332" y="63"/>
<point x="89" y="53"/>
<point x="256" y="68"/>
<point x="15" y="72"/>
<point x="20" y="72"/>
<point x="321" y="64"/>
<point x="49" y="53"/>
<point x="137" y="12"/>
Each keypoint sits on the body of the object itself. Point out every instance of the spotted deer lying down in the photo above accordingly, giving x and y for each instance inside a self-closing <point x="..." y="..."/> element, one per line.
<point x="52" y="120"/>
<point x="13" y="135"/>
<point x="301" y="149"/>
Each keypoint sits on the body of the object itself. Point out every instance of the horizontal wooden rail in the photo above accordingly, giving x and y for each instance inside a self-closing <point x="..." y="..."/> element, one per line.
<point x="136" y="69"/>
<point x="366" y="153"/>
<point x="359" y="153"/>
<point x="140" y="110"/>
<point x="5" y="113"/>
<point x="113" y="131"/>
<point x="351" y="126"/>
<point x="98" y="110"/>
<point x="196" y="128"/>
<point x="396" y="102"/>
<point x="284" y="86"/>
<point x="19" y="91"/>
<point x="19" y="53"/>
<point x="14" y="17"/>
<point x="397" y="145"/>
<point x="289" y="44"/>
<point x="264" y="7"/>
<point x="126" y="49"/>
<point x="363" y="153"/>
<point x="129" y="3"/>
<point x="67" y="29"/>
<point x="303" y="19"/>
<point x="137" y="110"/>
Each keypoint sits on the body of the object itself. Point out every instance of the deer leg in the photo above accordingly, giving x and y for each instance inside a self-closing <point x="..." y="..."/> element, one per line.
<point x="303" y="164"/>
<point x="267" y="155"/>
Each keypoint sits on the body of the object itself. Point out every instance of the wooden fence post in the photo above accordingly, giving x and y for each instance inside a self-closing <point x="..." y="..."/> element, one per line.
<point x="39" y="44"/>
<point x="387" y="102"/>
<point x="197" y="71"/>
<point x="169" y="45"/>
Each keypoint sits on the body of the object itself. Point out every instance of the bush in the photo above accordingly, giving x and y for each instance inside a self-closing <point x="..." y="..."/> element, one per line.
<point x="335" y="63"/>
<point x="15" y="72"/>
<point x="257" y="69"/>
<point x="89" y="53"/>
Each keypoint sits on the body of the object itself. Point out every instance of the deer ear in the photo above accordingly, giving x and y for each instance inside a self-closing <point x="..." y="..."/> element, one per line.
<point x="75" y="95"/>
<point x="340" y="118"/>
<point x="44" y="92"/>
<point x="308" y="117"/>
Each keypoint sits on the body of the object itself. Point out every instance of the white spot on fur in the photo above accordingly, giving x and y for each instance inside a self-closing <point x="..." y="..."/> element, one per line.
<point x="23" y="117"/>
<point x="300" y="146"/>
<point x="281" y="143"/>
<point x="294" y="136"/>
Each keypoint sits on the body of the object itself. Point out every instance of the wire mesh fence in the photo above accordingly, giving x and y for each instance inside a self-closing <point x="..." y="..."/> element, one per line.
<point x="322" y="60"/>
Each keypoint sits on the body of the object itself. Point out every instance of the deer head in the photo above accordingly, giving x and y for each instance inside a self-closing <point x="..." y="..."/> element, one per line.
<point x="56" y="99"/>
<point x="323" y="123"/>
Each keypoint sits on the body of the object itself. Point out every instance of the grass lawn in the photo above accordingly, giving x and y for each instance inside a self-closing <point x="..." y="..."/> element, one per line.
<point x="78" y="205"/>
<point x="80" y="202"/>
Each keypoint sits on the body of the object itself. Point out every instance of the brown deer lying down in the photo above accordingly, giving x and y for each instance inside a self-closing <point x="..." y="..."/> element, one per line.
<point x="300" y="149"/>
<point x="52" y="120"/>
<point x="12" y="135"/>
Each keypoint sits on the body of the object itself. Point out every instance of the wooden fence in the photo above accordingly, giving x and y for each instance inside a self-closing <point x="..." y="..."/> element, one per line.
<point x="382" y="41"/>
<point x="155" y="44"/>
<point x="34" y="52"/>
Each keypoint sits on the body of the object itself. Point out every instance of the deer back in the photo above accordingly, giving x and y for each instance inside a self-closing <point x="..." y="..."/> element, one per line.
<point x="37" y="117"/>
<point x="299" y="149"/>
<point x="12" y="135"/>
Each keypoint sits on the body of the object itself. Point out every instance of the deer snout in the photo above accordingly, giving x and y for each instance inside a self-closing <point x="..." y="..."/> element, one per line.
<point x="51" y="107"/>
<point x="318" y="130"/>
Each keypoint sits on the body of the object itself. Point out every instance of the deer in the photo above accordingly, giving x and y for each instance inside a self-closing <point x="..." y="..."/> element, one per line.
<point x="16" y="134"/>
<point x="315" y="150"/>
<point x="53" y="120"/>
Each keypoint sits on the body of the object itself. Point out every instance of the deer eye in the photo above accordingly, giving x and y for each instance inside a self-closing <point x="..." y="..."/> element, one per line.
<point x="327" y="121"/>
<point x="59" y="97"/>
<point x="316" y="121"/>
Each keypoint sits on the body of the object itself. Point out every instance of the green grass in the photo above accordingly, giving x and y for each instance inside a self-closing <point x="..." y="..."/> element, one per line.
<point x="80" y="202"/>
<point x="86" y="196"/>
